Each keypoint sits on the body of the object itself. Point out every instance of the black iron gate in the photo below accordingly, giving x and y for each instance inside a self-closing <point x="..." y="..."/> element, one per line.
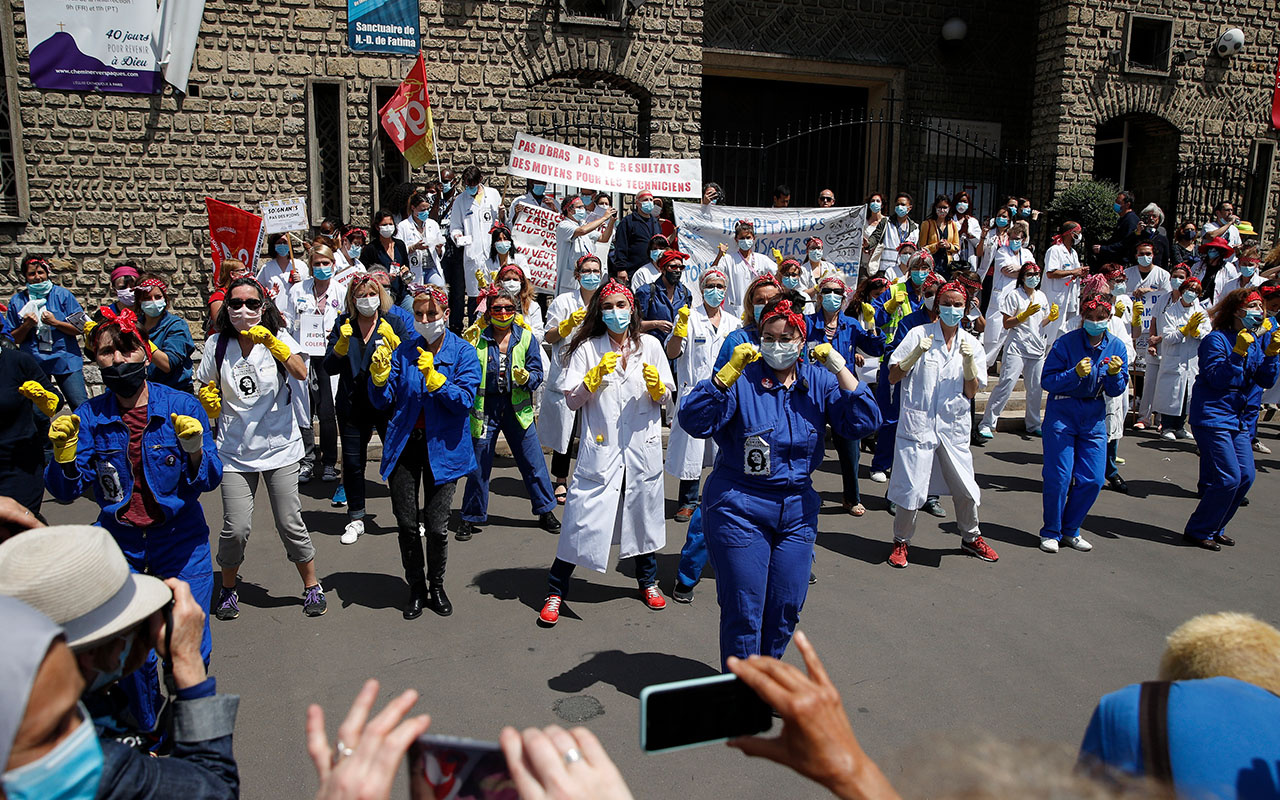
<point x="1202" y="184"/>
<point x="619" y="136"/>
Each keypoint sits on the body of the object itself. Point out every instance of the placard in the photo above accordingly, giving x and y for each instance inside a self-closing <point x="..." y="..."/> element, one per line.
<point x="284" y="215"/>
<point x="383" y="26"/>
<point x="312" y="335"/>
<point x="545" y="160"/>
<point x="95" y="45"/>
<point x="534" y="232"/>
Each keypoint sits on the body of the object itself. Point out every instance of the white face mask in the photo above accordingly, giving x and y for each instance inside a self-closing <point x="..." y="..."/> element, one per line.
<point x="431" y="331"/>
<point x="511" y="286"/>
<point x="242" y="319"/>
<point x="368" y="306"/>
<point x="386" y="231"/>
<point x="780" y="355"/>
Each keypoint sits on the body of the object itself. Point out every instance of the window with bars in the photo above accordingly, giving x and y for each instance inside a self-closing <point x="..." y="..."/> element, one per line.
<point x="326" y="150"/>
<point x="13" y="184"/>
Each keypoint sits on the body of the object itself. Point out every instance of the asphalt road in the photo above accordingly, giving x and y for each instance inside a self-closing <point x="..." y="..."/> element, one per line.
<point x="1019" y="650"/>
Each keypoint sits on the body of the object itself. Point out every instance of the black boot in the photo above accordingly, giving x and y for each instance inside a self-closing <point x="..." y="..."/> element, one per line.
<point x="417" y="594"/>
<point x="437" y="555"/>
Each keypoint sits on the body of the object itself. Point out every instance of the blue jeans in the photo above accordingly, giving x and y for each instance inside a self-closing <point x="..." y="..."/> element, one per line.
<point x="688" y="493"/>
<point x="693" y="556"/>
<point x="889" y="399"/>
<point x="500" y="415"/>
<point x="561" y="571"/>
<point x="1226" y="473"/>
<point x="1075" y="459"/>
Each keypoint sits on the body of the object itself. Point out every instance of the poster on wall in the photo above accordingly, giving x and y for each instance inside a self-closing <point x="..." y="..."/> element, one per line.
<point x="94" y="45"/>
<point x="383" y="26"/>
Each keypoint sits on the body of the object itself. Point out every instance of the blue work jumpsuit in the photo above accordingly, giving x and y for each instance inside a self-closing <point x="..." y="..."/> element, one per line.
<point x="172" y="336"/>
<point x="176" y="548"/>
<point x="889" y="396"/>
<point x="1223" y="418"/>
<point x="761" y="508"/>
<point x="1075" y="428"/>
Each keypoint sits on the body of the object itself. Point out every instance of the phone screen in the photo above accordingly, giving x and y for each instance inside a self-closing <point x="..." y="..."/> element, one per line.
<point x="700" y="711"/>
<point x="449" y="768"/>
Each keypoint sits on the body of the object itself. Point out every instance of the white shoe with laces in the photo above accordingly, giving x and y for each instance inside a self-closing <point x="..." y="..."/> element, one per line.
<point x="1168" y="436"/>
<point x="353" y="531"/>
<point x="1078" y="543"/>
<point x="1049" y="545"/>
<point x="879" y="477"/>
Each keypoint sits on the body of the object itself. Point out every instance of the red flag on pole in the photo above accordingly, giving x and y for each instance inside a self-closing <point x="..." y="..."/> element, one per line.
<point x="407" y="117"/>
<point x="234" y="233"/>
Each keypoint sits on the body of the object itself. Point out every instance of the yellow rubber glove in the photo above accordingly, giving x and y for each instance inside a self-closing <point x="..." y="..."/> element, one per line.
<point x="190" y="432"/>
<point x="897" y="297"/>
<point x="1192" y="329"/>
<point x="1266" y="324"/>
<point x="653" y="382"/>
<point x="427" y="364"/>
<point x="341" y="346"/>
<point x="482" y="277"/>
<point x="570" y="322"/>
<point x="970" y="353"/>
<point x="1138" y="308"/>
<point x="682" y="323"/>
<point x="520" y="376"/>
<point x="44" y="399"/>
<point x="777" y="256"/>
<point x="1273" y="346"/>
<point x="522" y="323"/>
<point x="211" y="399"/>
<point x="1243" y="340"/>
<point x="1119" y="311"/>
<point x="743" y="355"/>
<point x="1054" y="311"/>
<point x="595" y="375"/>
<point x="1085" y="368"/>
<point x="1114" y="364"/>
<point x="266" y="338"/>
<point x="829" y="357"/>
<point x="380" y="364"/>
<point x="1028" y="312"/>
<point x="89" y="325"/>
<point x="472" y="334"/>
<point x="64" y="433"/>
<point x="868" y="317"/>
<point x="388" y="334"/>
<point x="923" y="346"/>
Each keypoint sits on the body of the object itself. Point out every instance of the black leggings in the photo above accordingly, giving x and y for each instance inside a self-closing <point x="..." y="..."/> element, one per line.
<point x="560" y="461"/>
<point x="321" y="390"/>
<point x="410" y="471"/>
<point x="356" y="434"/>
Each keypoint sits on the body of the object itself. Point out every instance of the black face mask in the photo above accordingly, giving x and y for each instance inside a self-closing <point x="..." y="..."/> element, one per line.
<point x="124" y="380"/>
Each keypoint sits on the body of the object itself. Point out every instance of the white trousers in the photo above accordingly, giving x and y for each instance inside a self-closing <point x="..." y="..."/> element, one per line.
<point x="966" y="501"/>
<point x="1148" y="389"/>
<point x="1011" y="368"/>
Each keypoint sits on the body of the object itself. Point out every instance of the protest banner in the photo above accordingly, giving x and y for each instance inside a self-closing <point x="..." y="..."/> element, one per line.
<point x="534" y="232"/>
<point x="702" y="228"/>
<point x="233" y="233"/>
<point x="407" y="117"/>
<point x="284" y="215"/>
<point x="544" y="160"/>
<point x="84" y="47"/>
<point x="312" y="335"/>
<point x="383" y="26"/>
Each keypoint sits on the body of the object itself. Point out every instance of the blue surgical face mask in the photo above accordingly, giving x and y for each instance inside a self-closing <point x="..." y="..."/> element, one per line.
<point x="815" y="255"/>
<point x="1095" y="327"/>
<point x="1120" y="288"/>
<point x="1252" y="318"/>
<point x="471" y="190"/>
<point x="1190" y="297"/>
<point x="1247" y="270"/>
<point x="1001" y="222"/>
<point x="758" y="309"/>
<point x="154" y="308"/>
<point x="951" y="315"/>
<point x="354" y="251"/>
<point x="502" y="246"/>
<point x="617" y="319"/>
<point x="589" y="281"/>
<point x="322" y="273"/>
<point x="962" y="207"/>
<point x="446" y="186"/>
<point x="791" y="281"/>
<point x="1116" y="207"/>
<point x="107" y="678"/>
<point x="832" y="302"/>
<point x="1015" y="245"/>
<point x="70" y="771"/>
<point x="1032" y="281"/>
<point x="539" y="189"/>
<point x="282" y="249"/>
<point x="918" y="276"/>
<point x="40" y="289"/>
<point x="745" y="245"/>
<point x="580" y="214"/>
<point x="875" y="206"/>
<point x="901" y="210"/>
<point x="646" y="206"/>
<point x="654" y="255"/>
<point x="1145" y="261"/>
<point x="422" y="216"/>
<point x="1213" y="252"/>
<point x="1026" y="212"/>
<point x="713" y="297"/>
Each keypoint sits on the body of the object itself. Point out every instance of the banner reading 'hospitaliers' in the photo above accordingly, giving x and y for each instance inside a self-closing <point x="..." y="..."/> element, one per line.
<point x="407" y="117"/>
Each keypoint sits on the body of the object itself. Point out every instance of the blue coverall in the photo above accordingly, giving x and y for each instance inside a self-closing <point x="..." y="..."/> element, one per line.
<point x="761" y="508"/>
<point x="172" y="336"/>
<point x="849" y="338"/>
<point x="176" y="548"/>
<point x="888" y="396"/>
<point x="1075" y="428"/>
<point x="1223" y="416"/>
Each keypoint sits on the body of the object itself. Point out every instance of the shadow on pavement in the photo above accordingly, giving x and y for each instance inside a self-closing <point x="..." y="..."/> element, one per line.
<point x="1115" y="528"/>
<point x="368" y="589"/>
<point x="851" y="545"/>
<point x="1003" y="533"/>
<point x="629" y="673"/>
<point x="1141" y="489"/>
<point x="251" y="594"/>
<point x="529" y="586"/>
<point x="1015" y="457"/>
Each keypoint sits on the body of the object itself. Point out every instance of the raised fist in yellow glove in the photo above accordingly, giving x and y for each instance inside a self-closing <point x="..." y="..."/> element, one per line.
<point x="1192" y="329"/>
<point x="897" y="296"/>
<point x="44" y="399"/>
<point x="1028" y="312"/>
<point x="482" y="277"/>
<point x="64" y="433"/>
<point x="427" y="364"/>
<point x="190" y="432"/>
<point x="1273" y="346"/>
<point x="345" y="330"/>
<point x="1138" y="308"/>
<point x="520" y="376"/>
<point x="829" y="357"/>
<point x="267" y="339"/>
<point x="653" y="382"/>
<point x="570" y="322"/>
<point x="595" y="375"/>
<point x="682" y="323"/>
<point x="743" y="355"/>
<point x="472" y="334"/>
<point x="868" y="317"/>
<point x="1054" y="312"/>
<point x="777" y="256"/>
<point x="211" y="399"/>
<point x="388" y="334"/>
<point x="1243" y="340"/>
<point x="1085" y="368"/>
<point x="1114" y="364"/>
<point x="380" y="364"/>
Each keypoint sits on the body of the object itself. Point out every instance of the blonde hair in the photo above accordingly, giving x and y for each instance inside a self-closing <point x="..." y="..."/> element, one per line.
<point x="229" y="264"/>
<point x="363" y="279"/>
<point x="320" y="250"/>
<point x="1228" y="644"/>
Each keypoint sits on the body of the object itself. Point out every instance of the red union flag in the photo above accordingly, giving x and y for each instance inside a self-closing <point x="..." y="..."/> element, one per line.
<point x="234" y="233"/>
<point x="407" y="117"/>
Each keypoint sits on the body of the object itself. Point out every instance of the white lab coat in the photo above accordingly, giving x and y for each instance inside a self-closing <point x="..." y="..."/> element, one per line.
<point x="469" y="221"/>
<point x="569" y="249"/>
<point x="1179" y="356"/>
<point x="300" y="300"/>
<point x="424" y="263"/>
<point x="997" y="256"/>
<point x="276" y="279"/>
<point x="1064" y="292"/>
<point x="1120" y="327"/>
<point x="1157" y="279"/>
<point x="1228" y="279"/>
<point x="555" y="422"/>
<point x="616" y="493"/>
<point x="739" y="273"/>
<point x="934" y="422"/>
<point x="687" y="455"/>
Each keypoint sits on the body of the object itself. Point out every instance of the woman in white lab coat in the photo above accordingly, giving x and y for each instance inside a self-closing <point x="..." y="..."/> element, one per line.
<point x="1062" y="274"/>
<point x="1004" y="256"/>
<point x="1120" y="325"/>
<point x="940" y="367"/>
<point x="323" y="297"/>
<point x="1024" y="312"/>
<point x="556" y="421"/>
<point x="424" y="241"/>
<point x="1183" y="319"/>
<point x="695" y="342"/>
<point x="620" y="380"/>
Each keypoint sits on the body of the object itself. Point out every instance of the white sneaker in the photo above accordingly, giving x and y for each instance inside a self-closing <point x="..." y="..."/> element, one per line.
<point x="1259" y="447"/>
<point x="1169" y="435"/>
<point x="422" y="529"/>
<point x="879" y="477"/>
<point x="985" y="432"/>
<point x="1048" y="545"/>
<point x="1078" y="543"/>
<point x="354" y="528"/>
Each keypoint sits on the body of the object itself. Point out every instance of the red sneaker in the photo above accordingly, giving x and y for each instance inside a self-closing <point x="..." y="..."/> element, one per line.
<point x="550" y="611"/>
<point x="653" y="598"/>
<point x="980" y="548"/>
<point x="898" y="558"/>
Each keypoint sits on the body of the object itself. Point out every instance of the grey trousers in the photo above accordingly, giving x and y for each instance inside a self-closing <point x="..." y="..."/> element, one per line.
<point x="238" y="489"/>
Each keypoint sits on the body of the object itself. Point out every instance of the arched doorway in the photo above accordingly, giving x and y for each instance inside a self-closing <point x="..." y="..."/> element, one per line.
<point x="1139" y="152"/>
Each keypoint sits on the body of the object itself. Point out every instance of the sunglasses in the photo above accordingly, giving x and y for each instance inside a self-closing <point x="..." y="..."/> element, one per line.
<point x="237" y="303"/>
<point x="833" y="291"/>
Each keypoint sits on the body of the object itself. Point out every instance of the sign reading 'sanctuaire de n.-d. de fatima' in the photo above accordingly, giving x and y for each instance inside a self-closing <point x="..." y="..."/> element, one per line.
<point x="383" y="26"/>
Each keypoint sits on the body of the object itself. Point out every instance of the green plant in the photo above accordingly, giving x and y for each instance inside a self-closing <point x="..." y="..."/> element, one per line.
<point x="1089" y="203"/>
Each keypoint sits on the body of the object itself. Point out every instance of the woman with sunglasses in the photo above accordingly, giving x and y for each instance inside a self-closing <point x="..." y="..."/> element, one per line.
<point x="367" y="321"/>
<point x="244" y="387"/>
<point x="761" y="509"/>
<point x="428" y="385"/>
<point x="168" y="333"/>
<point x="619" y="379"/>
<point x="510" y="372"/>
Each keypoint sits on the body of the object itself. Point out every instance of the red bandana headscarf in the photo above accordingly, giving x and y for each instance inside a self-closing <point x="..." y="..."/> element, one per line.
<point x="1095" y="302"/>
<point x="671" y="255"/>
<point x="1252" y="296"/>
<point x="1194" y="283"/>
<point x="786" y="311"/>
<point x="613" y="287"/>
<point x="127" y="322"/>
<point x="432" y="291"/>
<point x="1072" y="231"/>
<point x="154" y="283"/>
